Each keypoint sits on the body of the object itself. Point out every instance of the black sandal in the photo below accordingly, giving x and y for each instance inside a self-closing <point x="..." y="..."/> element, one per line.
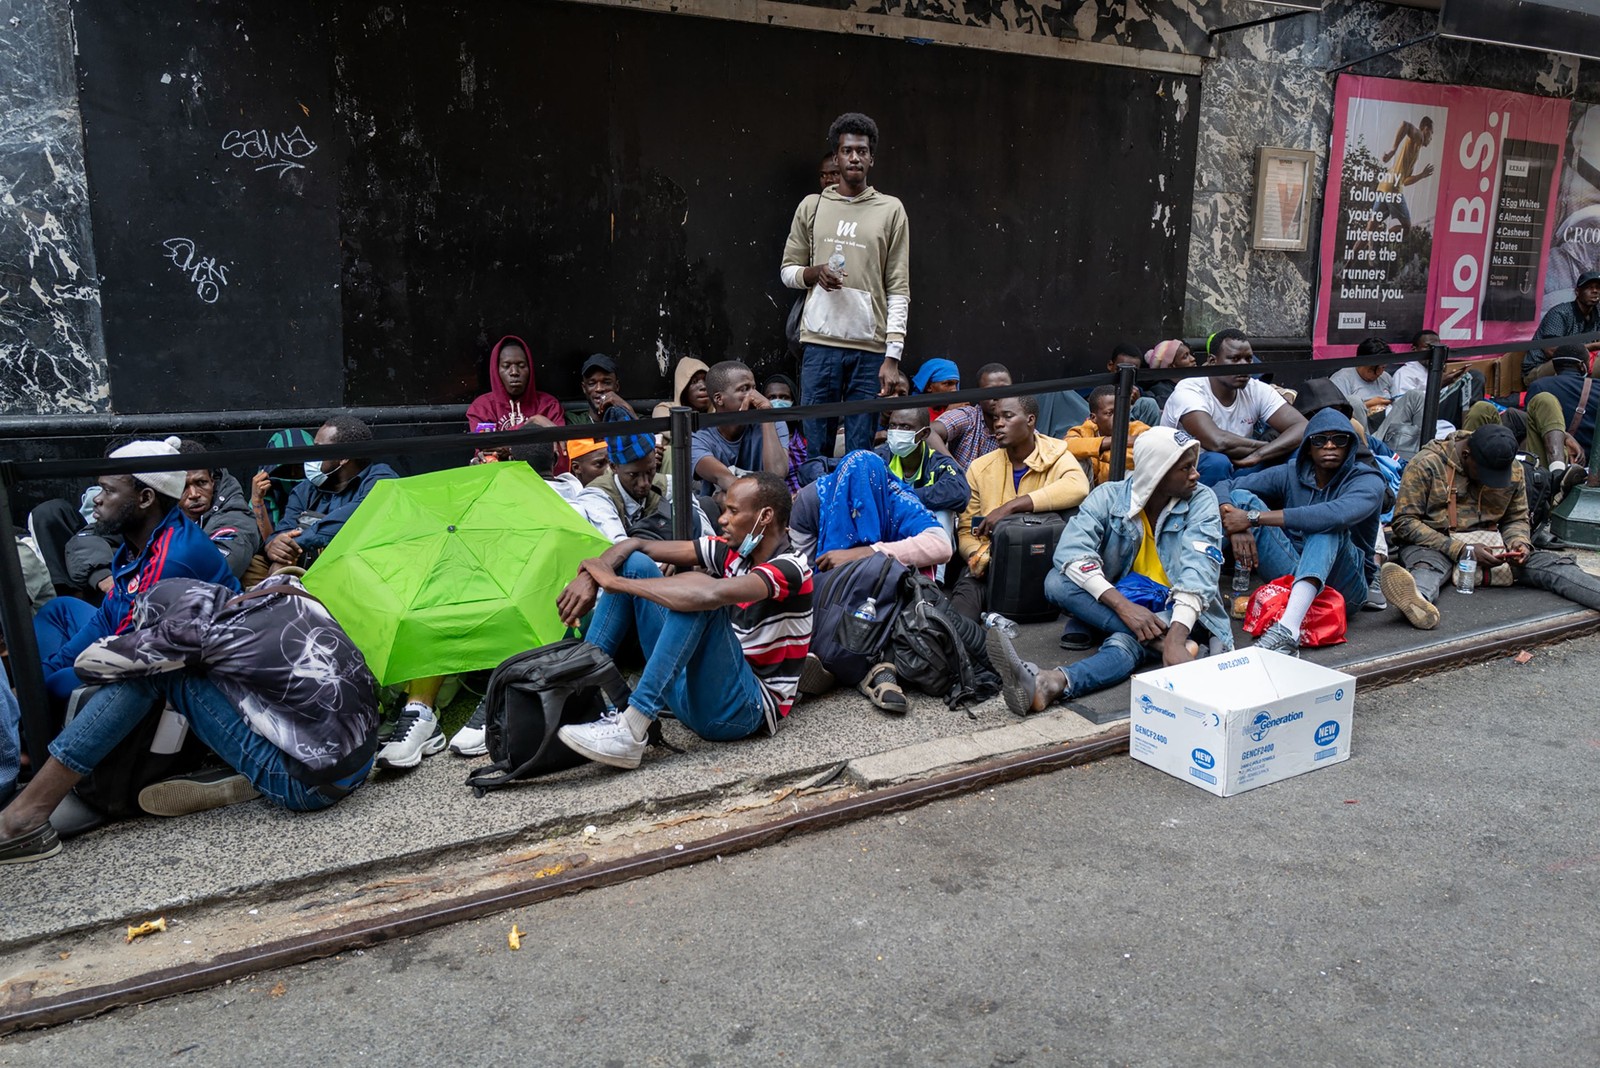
<point x="41" y="843"/>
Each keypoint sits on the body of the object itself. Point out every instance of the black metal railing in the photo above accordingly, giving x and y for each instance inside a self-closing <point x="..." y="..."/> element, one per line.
<point x="15" y="609"/>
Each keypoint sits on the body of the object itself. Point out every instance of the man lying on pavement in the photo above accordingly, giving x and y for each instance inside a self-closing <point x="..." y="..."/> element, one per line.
<point x="1468" y="490"/>
<point x="1315" y="518"/>
<point x="1158" y="529"/>
<point x="723" y="648"/>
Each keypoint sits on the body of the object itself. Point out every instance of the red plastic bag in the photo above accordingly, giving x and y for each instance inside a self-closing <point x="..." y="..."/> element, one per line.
<point x="1324" y="623"/>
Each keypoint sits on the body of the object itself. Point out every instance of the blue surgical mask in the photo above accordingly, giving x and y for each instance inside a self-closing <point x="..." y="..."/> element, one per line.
<point x="781" y="402"/>
<point x="901" y="442"/>
<point x="314" y="473"/>
<point x="751" y="541"/>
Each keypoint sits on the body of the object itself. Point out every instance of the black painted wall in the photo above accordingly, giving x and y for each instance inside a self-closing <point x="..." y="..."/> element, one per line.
<point x="213" y="161"/>
<point x="594" y="180"/>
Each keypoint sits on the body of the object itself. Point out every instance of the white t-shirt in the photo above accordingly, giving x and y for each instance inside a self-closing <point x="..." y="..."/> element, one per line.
<point x="1413" y="375"/>
<point x="1253" y="404"/>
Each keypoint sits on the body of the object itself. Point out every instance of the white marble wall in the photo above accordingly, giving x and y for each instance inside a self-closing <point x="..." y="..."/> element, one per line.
<point x="52" y="351"/>
<point x="1267" y="87"/>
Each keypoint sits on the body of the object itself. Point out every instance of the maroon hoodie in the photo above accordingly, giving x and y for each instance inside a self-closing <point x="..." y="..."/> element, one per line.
<point x="497" y="407"/>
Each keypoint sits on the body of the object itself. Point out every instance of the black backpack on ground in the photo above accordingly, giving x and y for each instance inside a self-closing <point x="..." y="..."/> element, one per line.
<point x="112" y="788"/>
<point x="849" y="647"/>
<point x="928" y="652"/>
<point x="534" y="694"/>
<point x="1536" y="478"/>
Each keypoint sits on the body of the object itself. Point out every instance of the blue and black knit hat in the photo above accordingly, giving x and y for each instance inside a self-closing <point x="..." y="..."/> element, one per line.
<point x="628" y="447"/>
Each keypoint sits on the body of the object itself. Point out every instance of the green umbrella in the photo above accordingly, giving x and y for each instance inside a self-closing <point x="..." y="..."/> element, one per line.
<point x="453" y="571"/>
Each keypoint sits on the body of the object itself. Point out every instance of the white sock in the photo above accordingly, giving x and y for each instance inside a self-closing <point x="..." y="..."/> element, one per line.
<point x="637" y="722"/>
<point x="1300" y="598"/>
<point x="422" y="710"/>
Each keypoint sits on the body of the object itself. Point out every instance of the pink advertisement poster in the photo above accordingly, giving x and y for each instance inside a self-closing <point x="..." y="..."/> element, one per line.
<point x="1437" y="213"/>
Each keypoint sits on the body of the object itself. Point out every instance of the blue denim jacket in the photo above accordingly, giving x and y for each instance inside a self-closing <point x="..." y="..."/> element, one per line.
<point x="1188" y="541"/>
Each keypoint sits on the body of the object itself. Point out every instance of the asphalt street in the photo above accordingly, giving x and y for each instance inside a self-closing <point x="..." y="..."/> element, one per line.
<point x="1432" y="901"/>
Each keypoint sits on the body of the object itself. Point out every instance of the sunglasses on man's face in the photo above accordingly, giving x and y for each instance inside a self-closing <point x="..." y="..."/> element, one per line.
<point x="1336" y="441"/>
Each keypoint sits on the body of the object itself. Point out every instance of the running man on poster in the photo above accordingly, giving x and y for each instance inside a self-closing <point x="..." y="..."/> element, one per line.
<point x="1384" y="248"/>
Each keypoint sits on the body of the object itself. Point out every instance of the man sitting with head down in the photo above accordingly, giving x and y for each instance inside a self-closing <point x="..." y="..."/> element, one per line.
<point x="1468" y="490"/>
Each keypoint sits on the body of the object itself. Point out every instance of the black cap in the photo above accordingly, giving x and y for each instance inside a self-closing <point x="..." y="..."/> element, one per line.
<point x="1494" y="449"/>
<point x="598" y="362"/>
<point x="1585" y="278"/>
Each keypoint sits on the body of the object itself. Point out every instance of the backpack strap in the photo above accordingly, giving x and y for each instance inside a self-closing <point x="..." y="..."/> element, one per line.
<point x="268" y="591"/>
<point x="1583" y="405"/>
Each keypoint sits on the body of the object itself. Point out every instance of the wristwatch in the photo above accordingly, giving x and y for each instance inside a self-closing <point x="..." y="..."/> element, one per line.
<point x="1253" y="517"/>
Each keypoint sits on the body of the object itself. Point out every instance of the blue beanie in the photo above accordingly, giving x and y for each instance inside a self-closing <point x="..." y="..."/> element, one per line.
<point x="629" y="447"/>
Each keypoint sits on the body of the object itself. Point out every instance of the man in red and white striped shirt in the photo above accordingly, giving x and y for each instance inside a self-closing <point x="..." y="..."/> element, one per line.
<point x="723" y="646"/>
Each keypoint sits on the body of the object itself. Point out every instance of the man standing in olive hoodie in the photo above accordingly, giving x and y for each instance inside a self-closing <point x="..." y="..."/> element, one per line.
<point x="850" y="246"/>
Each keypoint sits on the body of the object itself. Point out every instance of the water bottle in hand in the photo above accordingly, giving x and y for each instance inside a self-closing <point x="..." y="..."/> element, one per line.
<point x="868" y="610"/>
<point x="836" y="262"/>
<point x="1466" y="570"/>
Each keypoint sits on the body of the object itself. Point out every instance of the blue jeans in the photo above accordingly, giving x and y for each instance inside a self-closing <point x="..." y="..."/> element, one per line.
<point x="1332" y="559"/>
<point x="53" y="627"/>
<point x="10" y="741"/>
<point x="694" y="664"/>
<point x="1118" y="656"/>
<point x="110" y="715"/>
<point x="829" y="374"/>
<point x="1214" y="467"/>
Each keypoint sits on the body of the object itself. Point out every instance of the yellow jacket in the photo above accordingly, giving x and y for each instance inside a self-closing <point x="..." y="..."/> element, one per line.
<point x="1084" y="440"/>
<point x="1054" y="481"/>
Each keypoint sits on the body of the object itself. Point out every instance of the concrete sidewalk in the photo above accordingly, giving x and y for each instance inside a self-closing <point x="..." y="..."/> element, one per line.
<point x="400" y="823"/>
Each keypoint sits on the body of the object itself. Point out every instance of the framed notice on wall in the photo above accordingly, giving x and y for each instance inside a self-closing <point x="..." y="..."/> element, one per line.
<point x="1283" y="184"/>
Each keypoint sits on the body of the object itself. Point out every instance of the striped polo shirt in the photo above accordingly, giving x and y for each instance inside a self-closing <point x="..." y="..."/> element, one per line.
<point x="775" y="633"/>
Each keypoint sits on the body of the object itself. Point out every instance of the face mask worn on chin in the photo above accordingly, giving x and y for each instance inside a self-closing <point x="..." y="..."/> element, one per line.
<point x="751" y="541"/>
<point x="315" y="474"/>
<point x="901" y="442"/>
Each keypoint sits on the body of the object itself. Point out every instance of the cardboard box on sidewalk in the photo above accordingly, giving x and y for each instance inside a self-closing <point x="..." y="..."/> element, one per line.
<point x="1232" y="722"/>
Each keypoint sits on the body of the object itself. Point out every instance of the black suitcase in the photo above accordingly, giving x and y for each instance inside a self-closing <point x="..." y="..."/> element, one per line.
<point x="1020" y="555"/>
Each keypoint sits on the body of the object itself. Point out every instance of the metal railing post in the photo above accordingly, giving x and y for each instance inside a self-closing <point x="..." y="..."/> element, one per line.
<point x="16" y="615"/>
<point x="1119" y="423"/>
<point x="1437" y="355"/>
<point x="683" y="495"/>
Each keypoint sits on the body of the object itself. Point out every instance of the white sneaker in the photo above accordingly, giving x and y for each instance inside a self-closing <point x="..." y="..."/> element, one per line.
<point x="473" y="739"/>
<point x="416" y="735"/>
<point x="605" y="741"/>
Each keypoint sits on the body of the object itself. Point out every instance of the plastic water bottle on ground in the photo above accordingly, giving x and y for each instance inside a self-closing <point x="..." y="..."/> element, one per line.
<point x="1466" y="570"/>
<point x="996" y="621"/>
<point x="1241" y="590"/>
<point x="868" y="610"/>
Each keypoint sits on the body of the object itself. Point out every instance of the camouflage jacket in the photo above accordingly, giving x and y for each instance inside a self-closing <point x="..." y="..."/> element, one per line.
<point x="1422" y="509"/>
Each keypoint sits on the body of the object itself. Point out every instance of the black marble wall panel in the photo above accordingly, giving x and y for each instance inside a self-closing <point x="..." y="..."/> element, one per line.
<point x="52" y="356"/>
<point x="1268" y="86"/>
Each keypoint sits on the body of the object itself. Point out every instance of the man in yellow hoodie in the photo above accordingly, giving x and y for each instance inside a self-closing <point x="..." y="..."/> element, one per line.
<point x="1091" y="440"/>
<point x="1029" y="472"/>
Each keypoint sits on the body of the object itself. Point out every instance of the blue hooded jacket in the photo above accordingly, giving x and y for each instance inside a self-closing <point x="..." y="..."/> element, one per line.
<point x="334" y="507"/>
<point x="1349" y="502"/>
